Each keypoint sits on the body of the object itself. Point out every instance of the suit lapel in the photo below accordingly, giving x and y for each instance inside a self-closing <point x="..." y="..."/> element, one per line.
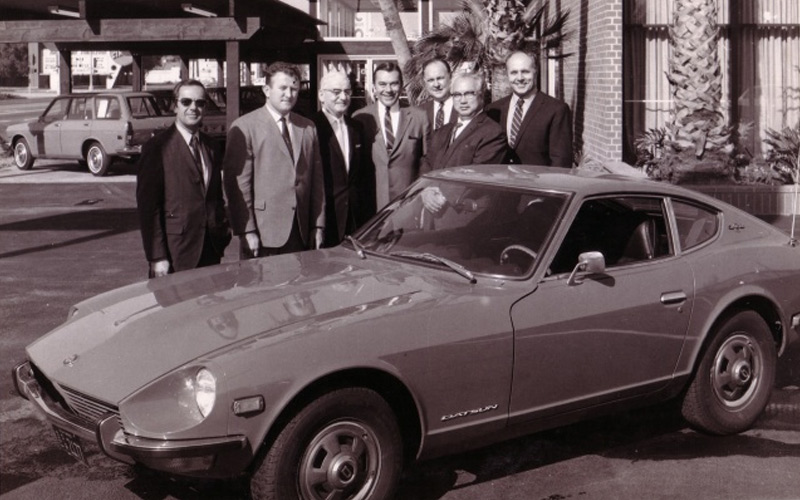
<point x="537" y="103"/>
<point x="277" y="136"/>
<point x="402" y="125"/>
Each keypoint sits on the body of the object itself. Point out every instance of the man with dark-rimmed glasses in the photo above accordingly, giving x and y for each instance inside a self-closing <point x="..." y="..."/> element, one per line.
<point x="179" y="191"/>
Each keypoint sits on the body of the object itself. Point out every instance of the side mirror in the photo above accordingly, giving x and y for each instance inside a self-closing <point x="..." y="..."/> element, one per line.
<point x="588" y="263"/>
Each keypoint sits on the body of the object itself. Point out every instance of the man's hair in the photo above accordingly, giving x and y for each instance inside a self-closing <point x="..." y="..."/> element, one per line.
<point x="476" y="78"/>
<point x="439" y="60"/>
<point x="281" y="67"/>
<point x="388" y="66"/>
<point x="176" y="90"/>
<point x="327" y="77"/>
<point x="530" y="56"/>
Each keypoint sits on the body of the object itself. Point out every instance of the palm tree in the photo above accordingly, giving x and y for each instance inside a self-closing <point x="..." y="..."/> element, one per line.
<point x="483" y="35"/>
<point x="395" y="31"/>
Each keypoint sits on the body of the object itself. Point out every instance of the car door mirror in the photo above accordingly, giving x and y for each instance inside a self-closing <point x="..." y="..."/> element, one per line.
<point x="588" y="263"/>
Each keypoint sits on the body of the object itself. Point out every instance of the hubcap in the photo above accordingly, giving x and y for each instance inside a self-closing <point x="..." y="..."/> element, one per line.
<point x="342" y="461"/>
<point x="94" y="158"/>
<point x="20" y="154"/>
<point x="736" y="371"/>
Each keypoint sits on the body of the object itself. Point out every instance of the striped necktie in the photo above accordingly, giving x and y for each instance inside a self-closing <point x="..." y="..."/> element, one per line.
<point x="516" y="123"/>
<point x="387" y="125"/>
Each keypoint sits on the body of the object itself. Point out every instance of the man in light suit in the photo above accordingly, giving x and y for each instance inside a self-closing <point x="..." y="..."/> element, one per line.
<point x="539" y="127"/>
<point x="397" y="144"/>
<point x="179" y="191"/>
<point x="273" y="173"/>
<point x="439" y="108"/>
<point x="349" y="179"/>
<point x="473" y="139"/>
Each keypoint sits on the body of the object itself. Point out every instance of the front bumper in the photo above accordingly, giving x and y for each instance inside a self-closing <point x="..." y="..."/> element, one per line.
<point x="185" y="456"/>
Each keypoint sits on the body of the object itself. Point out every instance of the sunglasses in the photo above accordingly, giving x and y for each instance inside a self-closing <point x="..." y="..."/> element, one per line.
<point x="186" y="102"/>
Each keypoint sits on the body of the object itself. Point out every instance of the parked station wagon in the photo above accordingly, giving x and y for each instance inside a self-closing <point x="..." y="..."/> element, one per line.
<point x="533" y="298"/>
<point x="93" y="128"/>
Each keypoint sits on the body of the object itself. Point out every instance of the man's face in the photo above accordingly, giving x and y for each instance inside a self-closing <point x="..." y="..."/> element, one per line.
<point x="191" y="103"/>
<point x="335" y="96"/>
<point x="387" y="87"/>
<point x="282" y="92"/>
<point x="437" y="80"/>
<point x="521" y="72"/>
<point x="467" y="98"/>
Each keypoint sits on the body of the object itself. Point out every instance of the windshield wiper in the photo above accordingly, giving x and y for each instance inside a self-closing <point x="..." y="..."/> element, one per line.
<point x="429" y="257"/>
<point x="357" y="245"/>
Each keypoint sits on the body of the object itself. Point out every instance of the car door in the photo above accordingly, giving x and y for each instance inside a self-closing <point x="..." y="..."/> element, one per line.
<point x="601" y="337"/>
<point x="48" y="135"/>
<point x="77" y="127"/>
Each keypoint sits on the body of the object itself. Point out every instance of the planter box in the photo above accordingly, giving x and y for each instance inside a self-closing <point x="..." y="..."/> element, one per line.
<point x="754" y="199"/>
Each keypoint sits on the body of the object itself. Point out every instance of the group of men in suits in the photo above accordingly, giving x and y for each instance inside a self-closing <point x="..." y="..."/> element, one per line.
<point x="293" y="184"/>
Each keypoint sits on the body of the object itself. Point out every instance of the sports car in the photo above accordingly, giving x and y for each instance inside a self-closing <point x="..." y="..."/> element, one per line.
<point x="484" y="303"/>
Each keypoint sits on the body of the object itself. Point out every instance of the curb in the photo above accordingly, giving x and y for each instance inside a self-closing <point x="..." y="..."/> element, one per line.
<point x="783" y="410"/>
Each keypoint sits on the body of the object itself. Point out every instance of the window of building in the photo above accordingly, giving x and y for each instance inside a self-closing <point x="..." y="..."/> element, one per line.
<point x="363" y="18"/>
<point x="759" y="50"/>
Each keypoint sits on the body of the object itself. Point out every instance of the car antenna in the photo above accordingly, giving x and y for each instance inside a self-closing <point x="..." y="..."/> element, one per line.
<point x="796" y="175"/>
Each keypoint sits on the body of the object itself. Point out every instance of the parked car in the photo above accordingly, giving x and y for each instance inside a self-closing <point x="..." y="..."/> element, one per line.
<point x="533" y="298"/>
<point x="93" y="128"/>
<point x="215" y="122"/>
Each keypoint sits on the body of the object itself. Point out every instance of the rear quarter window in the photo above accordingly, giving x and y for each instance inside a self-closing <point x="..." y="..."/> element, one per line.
<point x="695" y="224"/>
<point x="143" y="107"/>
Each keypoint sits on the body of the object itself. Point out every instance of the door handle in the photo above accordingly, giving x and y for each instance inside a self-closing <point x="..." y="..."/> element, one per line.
<point x="668" y="298"/>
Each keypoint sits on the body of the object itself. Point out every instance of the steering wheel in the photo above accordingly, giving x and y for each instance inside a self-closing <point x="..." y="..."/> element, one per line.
<point x="519" y="248"/>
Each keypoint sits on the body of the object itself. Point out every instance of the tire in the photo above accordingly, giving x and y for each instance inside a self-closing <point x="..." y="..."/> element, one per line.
<point x="345" y="444"/>
<point x="23" y="158"/>
<point x="97" y="159"/>
<point x="734" y="379"/>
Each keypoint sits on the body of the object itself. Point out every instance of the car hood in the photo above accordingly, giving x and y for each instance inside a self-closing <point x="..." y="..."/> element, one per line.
<point x="119" y="341"/>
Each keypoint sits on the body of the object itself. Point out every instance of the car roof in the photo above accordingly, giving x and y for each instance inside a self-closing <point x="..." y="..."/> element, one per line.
<point x="127" y="93"/>
<point x="583" y="181"/>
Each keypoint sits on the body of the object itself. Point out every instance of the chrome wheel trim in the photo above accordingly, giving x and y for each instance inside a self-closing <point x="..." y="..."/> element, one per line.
<point x="94" y="159"/>
<point x="736" y="371"/>
<point x="20" y="154"/>
<point x="341" y="461"/>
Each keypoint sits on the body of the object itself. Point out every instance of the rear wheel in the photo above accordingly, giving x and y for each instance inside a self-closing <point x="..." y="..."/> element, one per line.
<point x="97" y="159"/>
<point x="346" y="445"/>
<point x="23" y="158"/>
<point x="734" y="380"/>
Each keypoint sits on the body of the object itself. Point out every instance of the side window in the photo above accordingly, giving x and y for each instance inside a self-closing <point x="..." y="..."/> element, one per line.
<point x="57" y="110"/>
<point x="695" y="224"/>
<point x="107" y="108"/>
<point x="142" y="107"/>
<point x="626" y="230"/>
<point x="78" y="109"/>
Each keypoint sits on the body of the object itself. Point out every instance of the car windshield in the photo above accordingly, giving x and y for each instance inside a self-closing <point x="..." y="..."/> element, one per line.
<point x="486" y="229"/>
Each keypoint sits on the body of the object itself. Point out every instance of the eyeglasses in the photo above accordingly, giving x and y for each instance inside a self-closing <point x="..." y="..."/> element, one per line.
<point x="186" y="102"/>
<point x="464" y="95"/>
<point x="338" y="92"/>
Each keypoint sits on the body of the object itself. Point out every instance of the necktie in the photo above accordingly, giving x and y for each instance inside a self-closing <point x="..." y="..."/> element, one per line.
<point x="456" y="128"/>
<point x="387" y="125"/>
<point x="516" y="122"/>
<point x="194" y="147"/>
<point x="439" y="117"/>
<point x="338" y="130"/>
<point x="286" y="138"/>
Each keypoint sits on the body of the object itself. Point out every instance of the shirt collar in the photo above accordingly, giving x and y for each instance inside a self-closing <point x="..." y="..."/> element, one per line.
<point x="275" y="115"/>
<point x="185" y="132"/>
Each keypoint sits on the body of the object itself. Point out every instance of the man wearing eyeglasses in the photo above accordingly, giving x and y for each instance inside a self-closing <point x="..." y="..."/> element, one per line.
<point x="473" y="139"/>
<point x="397" y="136"/>
<point x="179" y="191"/>
<point x="273" y="173"/>
<point x="349" y="180"/>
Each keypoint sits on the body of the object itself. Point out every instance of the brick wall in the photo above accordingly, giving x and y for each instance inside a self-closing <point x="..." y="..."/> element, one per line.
<point x="591" y="78"/>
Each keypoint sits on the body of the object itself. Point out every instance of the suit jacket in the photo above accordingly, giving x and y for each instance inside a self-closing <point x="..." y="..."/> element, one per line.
<point x="396" y="171"/>
<point x="176" y="209"/>
<point x="545" y="136"/>
<point x="349" y="195"/>
<point x="429" y="107"/>
<point x="266" y="190"/>
<point x="482" y="141"/>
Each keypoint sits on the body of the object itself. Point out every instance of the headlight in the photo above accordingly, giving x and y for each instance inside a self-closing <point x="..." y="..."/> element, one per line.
<point x="205" y="391"/>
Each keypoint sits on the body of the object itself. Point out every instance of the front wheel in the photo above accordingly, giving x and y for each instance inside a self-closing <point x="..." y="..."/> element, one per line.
<point x="97" y="159"/>
<point x="23" y="158"/>
<point x="345" y="444"/>
<point x="734" y="380"/>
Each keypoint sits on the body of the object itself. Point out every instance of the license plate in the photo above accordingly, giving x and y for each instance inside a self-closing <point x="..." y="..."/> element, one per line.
<point x="70" y="443"/>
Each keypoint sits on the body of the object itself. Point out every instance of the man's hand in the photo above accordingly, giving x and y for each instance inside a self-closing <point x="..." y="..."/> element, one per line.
<point x="253" y="243"/>
<point x="159" y="268"/>
<point x="432" y="199"/>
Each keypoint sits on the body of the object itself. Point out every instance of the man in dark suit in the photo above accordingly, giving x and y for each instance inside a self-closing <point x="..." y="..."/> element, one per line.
<point x="349" y="181"/>
<point x="273" y="173"/>
<point x="396" y="143"/>
<point x="439" y="108"/>
<point x="539" y="127"/>
<point x="179" y="191"/>
<point x="473" y="139"/>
